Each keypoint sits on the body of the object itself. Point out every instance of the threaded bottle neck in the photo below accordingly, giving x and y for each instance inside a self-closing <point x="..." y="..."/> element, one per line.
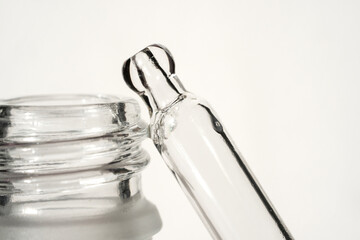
<point x="68" y="153"/>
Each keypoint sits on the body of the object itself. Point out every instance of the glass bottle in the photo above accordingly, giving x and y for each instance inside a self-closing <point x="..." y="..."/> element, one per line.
<point x="70" y="168"/>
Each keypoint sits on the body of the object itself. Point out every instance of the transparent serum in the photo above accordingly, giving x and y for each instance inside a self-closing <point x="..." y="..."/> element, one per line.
<point x="198" y="150"/>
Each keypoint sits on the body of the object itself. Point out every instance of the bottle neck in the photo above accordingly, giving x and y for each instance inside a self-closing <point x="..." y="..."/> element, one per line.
<point x="69" y="155"/>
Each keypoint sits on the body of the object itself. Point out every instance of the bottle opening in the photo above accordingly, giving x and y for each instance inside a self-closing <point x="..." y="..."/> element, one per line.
<point x="54" y="118"/>
<point x="64" y="100"/>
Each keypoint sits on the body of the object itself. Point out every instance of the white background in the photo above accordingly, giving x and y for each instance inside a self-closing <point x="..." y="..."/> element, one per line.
<point x="283" y="75"/>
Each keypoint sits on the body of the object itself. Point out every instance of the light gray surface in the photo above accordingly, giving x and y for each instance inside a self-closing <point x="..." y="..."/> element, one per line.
<point x="290" y="68"/>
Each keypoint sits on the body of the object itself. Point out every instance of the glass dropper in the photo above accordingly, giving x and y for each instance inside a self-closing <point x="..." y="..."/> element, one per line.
<point x="198" y="150"/>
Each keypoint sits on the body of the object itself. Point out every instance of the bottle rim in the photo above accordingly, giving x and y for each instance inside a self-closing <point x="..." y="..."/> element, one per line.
<point x="65" y="117"/>
<point x="63" y="100"/>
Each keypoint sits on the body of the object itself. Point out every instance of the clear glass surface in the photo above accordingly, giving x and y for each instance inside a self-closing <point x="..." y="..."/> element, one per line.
<point x="200" y="153"/>
<point x="70" y="169"/>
